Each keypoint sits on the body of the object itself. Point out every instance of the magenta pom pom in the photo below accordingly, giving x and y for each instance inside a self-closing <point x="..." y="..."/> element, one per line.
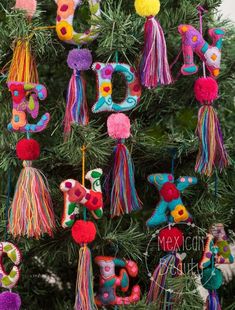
<point x="79" y="59"/>
<point x="119" y="126"/>
<point x="206" y="90"/>
<point x="9" y="301"/>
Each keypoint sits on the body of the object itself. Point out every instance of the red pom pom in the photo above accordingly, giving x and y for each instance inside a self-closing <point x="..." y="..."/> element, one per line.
<point x="83" y="232"/>
<point x="28" y="149"/>
<point x="206" y="90"/>
<point x="170" y="239"/>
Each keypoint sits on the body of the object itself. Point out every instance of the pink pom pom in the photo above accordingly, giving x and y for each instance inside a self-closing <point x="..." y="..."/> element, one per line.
<point x="119" y="126"/>
<point x="29" y="6"/>
<point x="206" y="90"/>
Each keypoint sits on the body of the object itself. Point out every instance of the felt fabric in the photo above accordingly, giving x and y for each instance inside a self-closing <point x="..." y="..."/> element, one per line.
<point x="109" y="281"/>
<point x="64" y="22"/>
<point x="193" y="42"/>
<point x="105" y="101"/>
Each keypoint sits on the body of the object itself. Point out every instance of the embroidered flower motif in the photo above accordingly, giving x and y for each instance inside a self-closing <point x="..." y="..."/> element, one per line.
<point x="180" y="213"/>
<point x="135" y="89"/>
<point x="106" y="89"/>
<point x="169" y="192"/>
<point x="18" y="120"/>
<point x="18" y="92"/>
<point x="65" y="8"/>
<point x="193" y="38"/>
<point x="106" y="72"/>
<point x="64" y="31"/>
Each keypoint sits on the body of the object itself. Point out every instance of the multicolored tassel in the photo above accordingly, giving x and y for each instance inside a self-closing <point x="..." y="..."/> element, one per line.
<point x="76" y="109"/>
<point x="154" y="66"/>
<point x="84" y="287"/>
<point x="212" y="153"/>
<point x="31" y="212"/>
<point x="212" y="302"/>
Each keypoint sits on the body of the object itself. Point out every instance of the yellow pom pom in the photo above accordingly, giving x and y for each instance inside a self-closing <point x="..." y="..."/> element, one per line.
<point x="147" y="7"/>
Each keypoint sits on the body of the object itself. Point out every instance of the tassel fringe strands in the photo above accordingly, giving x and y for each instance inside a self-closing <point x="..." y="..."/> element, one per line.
<point x="76" y="109"/>
<point x="124" y="198"/>
<point x="154" y="67"/>
<point x="212" y="302"/>
<point x="84" y="288"/>
<point x="31" y="212"/>
<point x="23" y="66"/>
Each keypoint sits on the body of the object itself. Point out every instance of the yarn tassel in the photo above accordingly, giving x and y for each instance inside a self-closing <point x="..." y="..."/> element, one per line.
<point x="168" y="264"/>
<point x="154" y="65"/>
<point x="84" y="287"/>
<point x="76" y="109"/>
<point x="124" y="198"/>
<point x="212" y="152"/>
<point x="31" y="212"/>
<point x="212" y="302"/>
<point x="23" y="66"/>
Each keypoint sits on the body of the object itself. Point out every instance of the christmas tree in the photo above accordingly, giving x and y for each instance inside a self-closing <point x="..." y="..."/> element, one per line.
<point x="163" y="140"/>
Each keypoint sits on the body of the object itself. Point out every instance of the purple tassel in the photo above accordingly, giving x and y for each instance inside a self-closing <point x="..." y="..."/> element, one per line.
<point x="212" y="302"/>
<point x="154" y="65"/>
<point x="124" y="198"/>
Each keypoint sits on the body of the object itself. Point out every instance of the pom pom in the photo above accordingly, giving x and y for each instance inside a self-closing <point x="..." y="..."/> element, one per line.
<point x="80" y="60"/>
<point x="147" y="7"/>
<point x="9" y="301"/>
<point x="83" y="232"/>
<point x="212" y="278"/>
<point x="29" y="6"/>
<point x="28" y="149"/>
<point x="206" y="90"/>
<point x="119" y="126"/>
<point x="170" y="239"/>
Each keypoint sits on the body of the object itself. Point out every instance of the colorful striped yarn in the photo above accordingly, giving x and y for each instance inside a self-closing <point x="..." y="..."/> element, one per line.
<point x="31" y="213"/>
<point x="212" y="302"/>
<point x="124" y="198"/>
<point x="77" y="108"/>
<point x="212" y="152"/>
<point x="84" y="289"/>
<point x="154" y="66"/>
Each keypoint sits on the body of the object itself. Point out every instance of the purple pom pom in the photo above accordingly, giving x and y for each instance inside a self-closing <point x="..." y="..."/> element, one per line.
<point x="9" y="301"/>
<point x="79" y="59"/>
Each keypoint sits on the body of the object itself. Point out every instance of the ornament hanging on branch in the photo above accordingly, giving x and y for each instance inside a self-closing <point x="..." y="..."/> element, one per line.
<point x="212" y="153"/>
<point x="193" y="42"/>
<point x="170" y="240"/>
<point x="154" y="66"/>
<point x="31" y="212"/>
<point x="77" y="108"/>
<point x="123" y="198"/>
<point x="109" y="281"/>
<point x="170" y="199"/>
<point x="105" y="101"/>
<point x="76" y="194"/>
<point x="78" y="59"/>
<point x="216" y="252"/>
<point x="8" y="280"/>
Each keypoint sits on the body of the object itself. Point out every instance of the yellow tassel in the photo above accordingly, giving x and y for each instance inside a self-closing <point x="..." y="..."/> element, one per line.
<point x="147" y="7"/>
<point x="23" y="66"/>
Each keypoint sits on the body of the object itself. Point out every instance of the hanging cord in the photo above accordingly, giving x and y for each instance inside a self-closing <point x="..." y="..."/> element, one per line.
<point x="83" y="150"/>
<point x="7" y="202"/>
<point x="116" y="57"/>
<point x="202" y="11"/>
<point x="216" y="186"/>
<point x="173" y="153"/>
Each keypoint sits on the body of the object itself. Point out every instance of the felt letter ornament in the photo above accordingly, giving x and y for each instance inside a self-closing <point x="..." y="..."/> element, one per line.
<point x="25" y="97"/>
<point x="8" y="280"/>
<point x="64" y="22"/>
<point x="109" y="281"/>
<point x="75" y="193"/>
<point x="105" y="88"/>
<point x="170" y="199"/>
<point x="193" y="42"/>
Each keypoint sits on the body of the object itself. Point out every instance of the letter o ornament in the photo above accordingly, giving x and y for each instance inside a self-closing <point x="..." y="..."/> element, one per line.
<point x="64" y="22"/>
<point x="9" y="280"/>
